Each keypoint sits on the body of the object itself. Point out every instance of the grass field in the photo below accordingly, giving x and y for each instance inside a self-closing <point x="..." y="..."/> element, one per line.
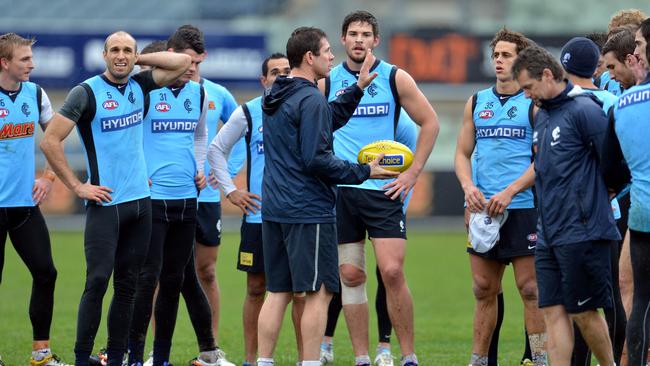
<point x="437" y="270"/>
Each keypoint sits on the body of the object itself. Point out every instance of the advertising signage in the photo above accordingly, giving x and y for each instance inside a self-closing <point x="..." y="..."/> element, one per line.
<point x="451" y="57"/>
<point x="65" y="59"/>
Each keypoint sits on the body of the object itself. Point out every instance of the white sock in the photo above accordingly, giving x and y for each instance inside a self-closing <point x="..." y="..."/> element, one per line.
<point x="363" y="359"/>
<point x="209" y="356"/>
<point x="40" y="354"/>
<point x="265" y="362"/>
<point x="310" y="363"/>
<point x="412" y="358"/>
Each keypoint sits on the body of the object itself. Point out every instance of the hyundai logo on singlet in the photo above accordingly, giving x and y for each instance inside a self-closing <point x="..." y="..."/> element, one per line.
<point x="166" y="125"/>
<point x="260" y="147"/>
<point x="372" y="110"/>
<point x="508" y="132"/>
<point x="121" y="122"/>
<point x="633" y="98"/>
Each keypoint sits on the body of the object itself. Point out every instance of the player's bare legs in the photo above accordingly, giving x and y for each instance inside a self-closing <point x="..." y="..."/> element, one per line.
<point x="560" y="335"/>
<point x="390" y="255"/>
<point x="594" y="329"/>
<point x="355" y="310"/>
<point x="255" y="291"/>
<point x="297" y="310"/>
<point x="524" y="270"/>
<point x="313" y="322"/>
<point x="626" y="285"/>
<point x="270" y="322"/>
<point x="486" y="284"/>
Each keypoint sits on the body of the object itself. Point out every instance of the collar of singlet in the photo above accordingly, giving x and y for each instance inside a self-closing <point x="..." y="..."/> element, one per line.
<point x="356" y="73"/>
<point x="503" y="98"/>
<point x="12" y="93"/>
<point x="120" y="87"/>
<point x="176" y="90"/>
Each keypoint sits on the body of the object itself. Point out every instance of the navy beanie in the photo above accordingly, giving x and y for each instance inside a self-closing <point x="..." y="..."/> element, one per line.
<point x="580" y="56"/>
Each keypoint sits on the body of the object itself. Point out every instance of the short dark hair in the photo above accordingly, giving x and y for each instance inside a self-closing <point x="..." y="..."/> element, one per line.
<point x="535" y="59"/>
<point x="303" y="40"/>
<point x="187" y="37"/>
<point x="506" y="35"/>
<point x="274" y="56"/>
<point x="360" y="16"/>
<point x="621" y="43"/>
<point x="155" y="46"/>
<point x="645" y="32"/>
<point x="599" y="38"/>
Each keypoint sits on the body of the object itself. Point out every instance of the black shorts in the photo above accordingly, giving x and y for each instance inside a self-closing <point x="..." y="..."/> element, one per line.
<point x="517" y="237"/>
<point x="365" y="210"/>
<point x="300" y="257"/>
<point x="251" y="252"/>
<point x="577" y="276"/>
<point x="208" y="224"/>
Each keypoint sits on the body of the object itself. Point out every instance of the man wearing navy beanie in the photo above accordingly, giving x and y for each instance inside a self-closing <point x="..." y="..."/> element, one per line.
<point x="579" y="58"/>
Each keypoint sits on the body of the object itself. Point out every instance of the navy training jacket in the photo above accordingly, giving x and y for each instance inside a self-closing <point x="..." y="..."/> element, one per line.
<point x="300" y="169"/>
<point x="573" y="203"/>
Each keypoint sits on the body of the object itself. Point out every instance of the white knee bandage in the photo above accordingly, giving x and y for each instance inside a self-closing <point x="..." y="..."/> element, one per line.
<point x="353" y="254"/>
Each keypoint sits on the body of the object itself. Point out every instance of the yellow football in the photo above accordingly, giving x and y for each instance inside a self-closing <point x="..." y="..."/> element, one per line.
<point x="397" y="156"/>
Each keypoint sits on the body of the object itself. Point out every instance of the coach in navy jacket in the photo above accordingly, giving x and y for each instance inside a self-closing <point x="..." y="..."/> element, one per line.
<point x="576" y="226"/>
<point x="572" y="197"/>
<point x="298" y="192"/>
<point x="301" y="188"/>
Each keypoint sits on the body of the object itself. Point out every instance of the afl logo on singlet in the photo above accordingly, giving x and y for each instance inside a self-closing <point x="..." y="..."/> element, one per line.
<point x="110" y="104"/>
<point x="163" y="107"/>
<point x="4" y="112"/>
<point x="486" y="114"/>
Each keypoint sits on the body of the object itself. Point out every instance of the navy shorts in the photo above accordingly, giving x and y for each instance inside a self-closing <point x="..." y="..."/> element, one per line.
<point x="517" y="237"/>
<point x="251" y="252"/>
<point x="577" y="276"/>
<point x="300" y="257"/>
<point x="208" y="224"/>
<point x="365" y="210"/>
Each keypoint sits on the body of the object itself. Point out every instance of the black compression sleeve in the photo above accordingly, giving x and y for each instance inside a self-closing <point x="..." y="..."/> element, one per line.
<point x="75" y="104"/>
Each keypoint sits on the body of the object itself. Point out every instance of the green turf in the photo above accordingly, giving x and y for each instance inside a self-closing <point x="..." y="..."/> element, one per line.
<point x="436" y="267"/>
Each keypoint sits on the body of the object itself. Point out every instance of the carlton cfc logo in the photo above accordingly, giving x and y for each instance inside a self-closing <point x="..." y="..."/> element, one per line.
<point x="110" y="104"/>
<point x="163" y="107"/>
<point x="4" y="112"/>
<point x="486" y="114"/>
